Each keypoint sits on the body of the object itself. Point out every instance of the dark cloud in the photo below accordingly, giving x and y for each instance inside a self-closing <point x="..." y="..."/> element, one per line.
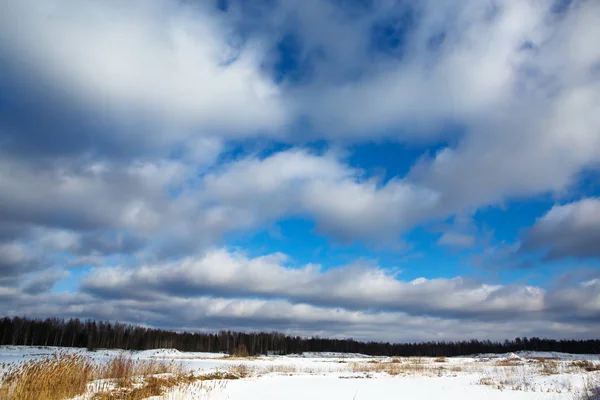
<point x="570" y="230"/>
<point x="41" y="120"/>
<point x="106" y="244"/>
<point x="10" y="232"/>
<point x="44" y="281"/>
<point x="210" y="314"/>
<point x="17" y="260"/>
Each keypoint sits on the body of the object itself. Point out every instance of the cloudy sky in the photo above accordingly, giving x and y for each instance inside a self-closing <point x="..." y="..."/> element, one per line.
<point x="375" y="169"/>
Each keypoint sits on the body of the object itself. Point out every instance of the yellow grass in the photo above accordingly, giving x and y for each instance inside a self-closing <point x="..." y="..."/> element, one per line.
<point x="57" y="377"/>
<point x="586" y="365"/>
<point x="391" y="367"/>
<point x="67" y="375"/>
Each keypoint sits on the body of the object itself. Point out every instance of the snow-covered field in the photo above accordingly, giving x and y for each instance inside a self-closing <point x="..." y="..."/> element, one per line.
<point x="331" y="376"/>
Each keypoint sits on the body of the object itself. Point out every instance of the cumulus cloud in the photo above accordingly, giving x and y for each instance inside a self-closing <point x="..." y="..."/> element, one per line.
<point x="344" y="202"/>
<point x="121" y="78"/>
<point x="355" y="287"/>
<point x="569" y="230"/>
<point x="229" y="290"/>
<point x="124" y="133"/>
<point x="268" y="292"/>
<point x="86" y="196"/>
<point x="44" y="281"/>
<point x="16" y="259"/>
<point x="211" y="314"/>
<point x="519" y="80"/>
<point x="495" y="91"/>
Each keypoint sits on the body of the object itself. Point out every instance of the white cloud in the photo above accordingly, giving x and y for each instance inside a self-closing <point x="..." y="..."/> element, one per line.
<point x="89" y="195"/>
<point x="221" y="273"/>
<point x="212" y="314"/>
<point x="474" y="71"/>
<point x="161" y="60"/>
<point x="344" y="203"/>
<point x="516" y="103"/>
<point x="520" y="82"/>
<point x="224" y="289"/>
<point x="118" y="113"/>
<point x="569" y="230"/>
<point x="16" y="260"/>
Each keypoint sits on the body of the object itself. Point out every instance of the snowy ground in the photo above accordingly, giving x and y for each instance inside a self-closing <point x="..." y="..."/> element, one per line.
<point x="332" y="376"/>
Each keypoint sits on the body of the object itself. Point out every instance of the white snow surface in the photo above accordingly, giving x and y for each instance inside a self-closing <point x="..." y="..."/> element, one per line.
<point x="341" y="376"/>
<point x="540" y="354"/>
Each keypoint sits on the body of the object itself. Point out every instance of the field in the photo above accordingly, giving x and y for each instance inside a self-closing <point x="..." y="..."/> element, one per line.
<point x="170" y="374"/>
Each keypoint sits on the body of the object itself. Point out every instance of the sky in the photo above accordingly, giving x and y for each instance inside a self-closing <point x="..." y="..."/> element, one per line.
<point x="376" y="169"/>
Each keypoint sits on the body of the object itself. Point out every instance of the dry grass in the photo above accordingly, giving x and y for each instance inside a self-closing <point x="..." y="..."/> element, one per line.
<point x="586" y="365"/>
<point x="57" y="377"/>
<point x="240" y="351"/>
<point x="67" y="375"/>
<point x="522" y="376"/>
<point x="282" y="369"/>
<point x="391" y="367"/>
<point x="508" y="362"/>
<point x="124" y="369"/>
<point x="185" y="391"/>
<point x="151" y="386"/>
<point x="549" y="367"/>
<point x="241" y="370"/>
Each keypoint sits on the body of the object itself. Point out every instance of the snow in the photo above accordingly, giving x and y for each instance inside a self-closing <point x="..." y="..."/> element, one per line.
<point x="540" y="354"/>
<point x="326" y="387"/>
<point x="333" y="355"/>
<point x="331" y="376"/>
<point x="176" y="354"/>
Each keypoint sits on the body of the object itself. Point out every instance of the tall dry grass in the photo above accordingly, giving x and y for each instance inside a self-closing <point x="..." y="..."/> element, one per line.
<point x="57" y="377"/>
<point x="125" y="369"/>
<point x="395" y="366"/>
<point x="67" y="375"/>
<point x="586" y="365"/>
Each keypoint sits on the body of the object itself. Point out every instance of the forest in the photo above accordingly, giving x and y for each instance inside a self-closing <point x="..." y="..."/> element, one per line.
<point x="114" y="335"/>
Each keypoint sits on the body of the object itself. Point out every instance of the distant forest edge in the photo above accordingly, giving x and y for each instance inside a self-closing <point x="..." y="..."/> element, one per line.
<point x="92" y="335"/>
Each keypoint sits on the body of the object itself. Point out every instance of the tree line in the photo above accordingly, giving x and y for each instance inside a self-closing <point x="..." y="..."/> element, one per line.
<point x="114" y="335"/>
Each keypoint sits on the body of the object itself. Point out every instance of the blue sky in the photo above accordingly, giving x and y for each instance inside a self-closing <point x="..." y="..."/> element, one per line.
<point x="384" y="170"/>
